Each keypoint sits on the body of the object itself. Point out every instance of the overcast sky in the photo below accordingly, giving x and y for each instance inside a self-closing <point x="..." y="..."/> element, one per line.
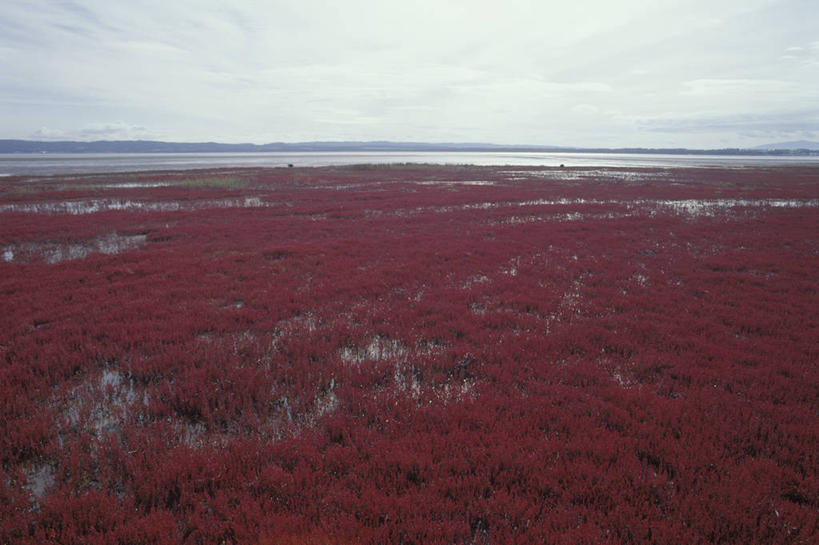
<point x="654" y="73"/>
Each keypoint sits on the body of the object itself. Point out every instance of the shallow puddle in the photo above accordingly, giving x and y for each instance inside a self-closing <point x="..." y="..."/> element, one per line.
<point x="53" y="252"/>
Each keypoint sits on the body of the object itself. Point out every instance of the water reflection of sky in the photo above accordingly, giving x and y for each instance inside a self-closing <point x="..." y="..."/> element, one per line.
<point x="42" y="164"/>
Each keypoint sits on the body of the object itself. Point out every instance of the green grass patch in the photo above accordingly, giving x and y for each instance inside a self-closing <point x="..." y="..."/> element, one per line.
<point x="212" y="181"/>
<point x="220" y="182"/>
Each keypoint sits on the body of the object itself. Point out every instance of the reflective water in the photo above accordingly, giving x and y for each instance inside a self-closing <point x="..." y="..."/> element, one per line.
<point x="44" y="164"/>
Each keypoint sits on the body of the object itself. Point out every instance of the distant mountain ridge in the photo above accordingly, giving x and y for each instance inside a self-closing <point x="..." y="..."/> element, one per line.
<point x="152" y="146"/>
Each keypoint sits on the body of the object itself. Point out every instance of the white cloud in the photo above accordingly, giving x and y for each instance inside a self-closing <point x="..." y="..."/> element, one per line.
<point x="734" y="87"/>
<point x="587" y="109"/>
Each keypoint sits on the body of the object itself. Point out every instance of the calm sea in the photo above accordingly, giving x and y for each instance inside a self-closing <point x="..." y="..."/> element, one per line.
<point x="44" y="164"/>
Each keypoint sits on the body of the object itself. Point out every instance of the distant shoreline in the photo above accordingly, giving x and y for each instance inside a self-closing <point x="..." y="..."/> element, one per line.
<point x="149" y="146"/>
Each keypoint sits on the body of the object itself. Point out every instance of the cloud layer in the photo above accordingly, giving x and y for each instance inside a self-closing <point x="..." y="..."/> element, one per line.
<point x="596" y="73"/>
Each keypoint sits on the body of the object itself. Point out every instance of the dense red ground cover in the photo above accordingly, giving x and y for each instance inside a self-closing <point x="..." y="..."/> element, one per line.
<point x="410" y="355"/>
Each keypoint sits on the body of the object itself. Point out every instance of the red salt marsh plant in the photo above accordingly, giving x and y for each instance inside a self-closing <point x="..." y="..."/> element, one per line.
<point x="410" y="355"/>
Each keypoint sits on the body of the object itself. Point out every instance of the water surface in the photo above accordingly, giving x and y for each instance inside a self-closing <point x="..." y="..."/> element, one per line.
<point x="83" y="163"/>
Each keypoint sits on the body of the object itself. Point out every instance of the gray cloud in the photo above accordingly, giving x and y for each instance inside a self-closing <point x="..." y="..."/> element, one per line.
<point x="803" y="124"/>
<point x="95" y="131"/>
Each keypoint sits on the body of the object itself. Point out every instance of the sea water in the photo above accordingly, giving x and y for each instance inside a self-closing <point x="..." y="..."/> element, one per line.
<point x="84" y="163"/>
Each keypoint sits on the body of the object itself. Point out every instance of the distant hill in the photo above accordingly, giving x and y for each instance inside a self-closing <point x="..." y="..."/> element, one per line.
<point x="151" y="146"/>
<point x="795" y="145"/>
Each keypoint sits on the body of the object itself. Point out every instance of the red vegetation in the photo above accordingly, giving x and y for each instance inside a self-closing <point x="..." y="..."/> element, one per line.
<point x="410" y="355"/>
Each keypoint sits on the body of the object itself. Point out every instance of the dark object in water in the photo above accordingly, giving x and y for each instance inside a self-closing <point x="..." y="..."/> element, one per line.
<point x="562" y="165"/>
<point x="289" y="165"/>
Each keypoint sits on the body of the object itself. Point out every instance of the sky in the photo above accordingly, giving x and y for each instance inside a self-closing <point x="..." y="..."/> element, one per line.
<point x="589" y="73"/>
